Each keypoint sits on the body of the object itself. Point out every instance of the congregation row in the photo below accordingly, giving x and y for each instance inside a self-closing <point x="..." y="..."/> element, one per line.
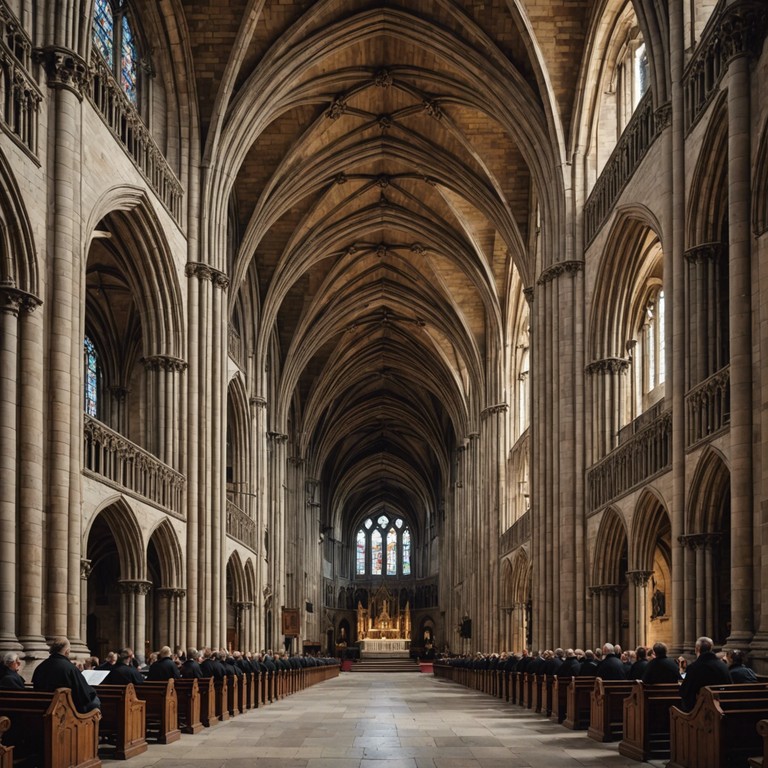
<point x="650" y="665"/>
<point x="709" y="713"/>
<point x="60" y="719"/>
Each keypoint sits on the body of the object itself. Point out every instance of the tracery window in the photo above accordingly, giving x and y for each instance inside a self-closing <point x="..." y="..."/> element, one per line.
<point x="91" y="378"/>
<point x="383" y="547"/>
<point x="654" y="369"/>
<point x="115" y="39"/>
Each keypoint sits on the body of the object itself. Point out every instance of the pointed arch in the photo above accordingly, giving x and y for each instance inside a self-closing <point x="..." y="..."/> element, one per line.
<point x="710" y="492"/>
<point x="18" y="259"/>
<point x="760" y="191"/>
<point x="707" y="212"/>
<point x="170" y="557"/>
<point x="236" y="573"/>
<point x="610" y="549"/>
<point x="650" y="525"/>
<point x="120" y="520"/>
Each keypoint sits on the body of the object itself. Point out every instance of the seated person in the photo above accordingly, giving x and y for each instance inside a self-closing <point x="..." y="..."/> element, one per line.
<point x="739" y="672"/>
<point x="706" y="670"/>
<point x="9" y="672"/>
<point x="123" y="670"/>
<point x="57" y="671"/>
<point x="661" y="669"/>
<point x="191" y="667"/>
<point x="165" y="667"/>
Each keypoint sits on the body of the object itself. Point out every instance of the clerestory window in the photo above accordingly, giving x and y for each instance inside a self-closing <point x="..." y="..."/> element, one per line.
<point x="383" y="547"/>
<point x="115" y="40"/>
<point x="91" y="378"/>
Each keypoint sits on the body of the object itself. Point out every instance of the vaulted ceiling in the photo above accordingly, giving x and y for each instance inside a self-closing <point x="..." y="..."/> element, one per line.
<point x="383" y="166"/>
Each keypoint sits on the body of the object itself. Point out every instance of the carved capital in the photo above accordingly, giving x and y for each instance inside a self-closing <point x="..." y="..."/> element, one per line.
<point x="528" y="293"/>
<point x="706" y="252"/>
<point x="134" y="586"/>
<point x="663" y="116"/>
<point x="493" y="409"/>
<point x="277" y="437"/>
<point x="64" y="69"/>
<point x="164" y="363"/>
<point x="258" y="402"/>
<point x="742" y="28"/>
<point x="86" y="566"/>
<point x="700" y="541"/>
<point x="639" y="578"/>
<point x="200" y="271"/>
<point x="608" y="365"/>
<point x="560" y="268"/>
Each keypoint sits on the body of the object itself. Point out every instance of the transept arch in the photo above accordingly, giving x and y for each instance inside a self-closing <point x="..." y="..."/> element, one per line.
<point x="610" y="596"/>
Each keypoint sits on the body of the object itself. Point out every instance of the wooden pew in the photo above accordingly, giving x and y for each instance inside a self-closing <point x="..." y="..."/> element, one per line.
<point x="547" y="685"/>
<point x="253" y="690"/>
<point x="606" y="718"/>
<point x="721" y="729"/>
<point x="221" y="698"/>
<point x="189" y="701"/>
<point x="47" y="727"/>
<point x="761" y="760"/>
<point x="646" y="720"/>
<point x="6" y="753"/>
<point x="527" y="690"/>
<point x="123" y="722"/>
<point x="162" y="710"/>
<point x="243" y="685"/>
<point x="537" y="692"/>
<point x="559" y="698"/>
<point x="233" y="695"/>
<point x="208" y="716"/>
<point x="578" y="703"/>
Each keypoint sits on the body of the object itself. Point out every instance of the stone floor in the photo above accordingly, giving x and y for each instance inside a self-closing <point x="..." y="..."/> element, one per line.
<point x="380" y="720"/>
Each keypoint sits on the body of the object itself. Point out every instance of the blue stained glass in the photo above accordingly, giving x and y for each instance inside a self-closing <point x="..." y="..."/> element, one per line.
<point x="406" y="552"/>
<point x="392" y="552"/>
<point x="91" y="377"/>
<point x="376" y="552"/>
<point x="360" y="553"/>
<point x="128" y="60"/>
<point x="104" y="30"/>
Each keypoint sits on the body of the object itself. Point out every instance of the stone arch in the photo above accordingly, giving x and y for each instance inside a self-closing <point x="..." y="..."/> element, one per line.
<point x="707" y="214"/>
<point x="165" y="570"/>
<point x="760" y="191"/>
<point x="238" y="456"/>
<point x="610" y="596"/>
<point x="18" y="259"/>
<point x="236" y="595"/>
<point x="708" y="543"/>
<point x="117" y="588"/>
<point x="610" y="549"/>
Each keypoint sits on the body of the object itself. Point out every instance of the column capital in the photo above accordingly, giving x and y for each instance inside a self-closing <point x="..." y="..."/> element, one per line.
<point x="608" y="365"/>
<point x="134" y="586"/>
<point x="206" y="272"/>
<point x="700" y="540"/>
<point x="277" y="437"/>
<point x="704" y="252"/>
<point x="639" y="578"/>
<point x="86" y="567"/>
<point x="663" y="116"/>
<point x="12" y="300"/>
<point x="742" y="28"/>
<point x="528" y="293"/>
<point x="493" y="409"/>
<point x="64" y="69"/>
<point x="560" y="268"/>
<point x="164" y="362"/>
<point x="258" y="402"/>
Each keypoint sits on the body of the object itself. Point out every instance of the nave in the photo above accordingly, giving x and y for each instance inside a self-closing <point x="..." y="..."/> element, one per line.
<point x="382" y="720"/>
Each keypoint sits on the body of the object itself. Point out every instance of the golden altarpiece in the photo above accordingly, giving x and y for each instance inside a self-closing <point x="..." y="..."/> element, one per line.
<point x="384" y="628"/>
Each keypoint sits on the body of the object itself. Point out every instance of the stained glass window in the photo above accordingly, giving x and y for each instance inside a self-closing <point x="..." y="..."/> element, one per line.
<point x="91" y="377"/>
<point x="128" y="59"/>
<point x="392" y="552"/>
<point x="383" y="521"/>
<point x="115" y="40"/>
<point x="368" y="523"/>
<point x="360" y="568"/>
<point x="406" y="553"/>
<point x="376" y="552"/>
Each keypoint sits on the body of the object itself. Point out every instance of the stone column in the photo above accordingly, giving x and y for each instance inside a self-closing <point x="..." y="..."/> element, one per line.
<point x="85" y="574"/>
<point x="66" y="76"/>
<point x="260" y="478"/>
<point x="31" y="474"/>
<point x="638" y="606"/>
<point x="735" y="29"/>
<point x="134" y="620"/>
<point x="278" y="444"/>
<point x="163" y="373"/>
<point x="10" y="302"/>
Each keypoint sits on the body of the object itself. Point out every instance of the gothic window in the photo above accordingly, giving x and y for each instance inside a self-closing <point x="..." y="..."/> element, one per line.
<point x="523" y="391"/>
<point x="114" y="38"/>
<point x="383" y="547"/>
<point x="91" y="378"/>
<point x="376" y="554"/>
<point x="654" y="369"/>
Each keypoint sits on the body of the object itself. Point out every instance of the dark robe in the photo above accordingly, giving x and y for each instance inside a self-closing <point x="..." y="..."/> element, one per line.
<point x="163" y="669"/>
<point x="190" y="668"/>
<point x="11" y="679"/>
<point x="122" y="674"/>
<point x="662" y="669"/>
<point x="57" y="671"/>
<point x="706" y="670"/>
<point x="611" y="668"/>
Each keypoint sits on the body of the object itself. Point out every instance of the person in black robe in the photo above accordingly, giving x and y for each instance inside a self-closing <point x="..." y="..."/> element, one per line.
<point x="611" y="667"/>
<point x="706" y="670"/>
<point x="661" y="669"/>
<point x="57" y="671"/>
<point x="637" y="670"/>
<point x="123" y="670"/>
<point x="165" y="667"/>
<point x="9" y="673"/>
<point x="191" y="667"/>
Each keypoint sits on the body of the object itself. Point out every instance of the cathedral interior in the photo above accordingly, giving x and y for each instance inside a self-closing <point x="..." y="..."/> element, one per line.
<point x="432" y="320"/>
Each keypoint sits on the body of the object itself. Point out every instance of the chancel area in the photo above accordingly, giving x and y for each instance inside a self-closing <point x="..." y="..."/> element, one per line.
<point x="388" y="326"/>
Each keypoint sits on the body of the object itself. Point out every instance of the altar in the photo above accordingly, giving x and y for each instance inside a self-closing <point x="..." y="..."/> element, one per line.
<point x="381" y="633"/>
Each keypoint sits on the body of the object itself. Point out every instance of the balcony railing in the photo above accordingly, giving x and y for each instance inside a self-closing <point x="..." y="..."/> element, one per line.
<point x="240" y="526"/>
<point x="643" y="420"/>
<point x="645" y="454"/>
<point x="518" y="533"/>
<point x="708" y="407"/>
<point x="114" y="459"/>
<point x="19" y="95"/>
<point x="635" y="141"/>
<point x="127" y="126"/>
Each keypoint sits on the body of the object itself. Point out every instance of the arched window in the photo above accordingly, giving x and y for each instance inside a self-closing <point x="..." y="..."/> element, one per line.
<point x="115" y="40"/>
<point x="383" y="547"/>
<point x="91" y="378"/>
<point x="654" y="368"/>
<point x="523" y="391"/>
